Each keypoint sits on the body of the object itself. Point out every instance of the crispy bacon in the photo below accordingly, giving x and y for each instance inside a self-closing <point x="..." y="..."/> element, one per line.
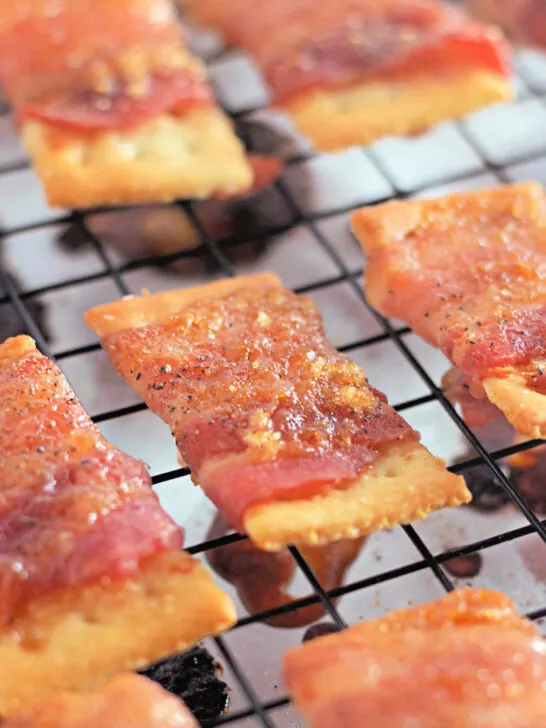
<point x="95" y="65"/>
<point x="73" y="508"/>
<point x="261" y="405"/>
<point x="468" y="274"/>
<point x="125" y="700"/>
<point x="523" y="20"/>
<point x="303" y="45"/>
<point x="465" y="661"/>
<point x="477" y="411"/>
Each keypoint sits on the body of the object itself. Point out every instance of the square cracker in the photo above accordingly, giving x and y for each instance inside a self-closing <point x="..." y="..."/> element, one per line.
<point x="75" y="636"/>
<point x="381" y="231"/>
<point x="192" y="156"/>
<point x="436" y="665"/>
<point x="405" y="483"/>
<point x="363" y="113"/>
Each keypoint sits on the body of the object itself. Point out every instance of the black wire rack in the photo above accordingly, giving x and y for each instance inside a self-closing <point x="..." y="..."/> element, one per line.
<point x="215" y="251"/>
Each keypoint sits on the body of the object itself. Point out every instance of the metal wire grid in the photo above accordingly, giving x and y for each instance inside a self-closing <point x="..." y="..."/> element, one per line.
<point x="215" y="251"/>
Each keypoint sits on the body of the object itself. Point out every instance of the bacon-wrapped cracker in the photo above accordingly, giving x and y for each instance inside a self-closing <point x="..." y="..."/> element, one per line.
<point x="282" y="432"/>
<point x="468" y="660"/>
<point x="111" y="105"/>
<point x="124" y="701"/>
<point x="92" y="580"/>
<point x="523" y="20"/>
<point x="352" y="71"/>
<point x="468" y="274"/>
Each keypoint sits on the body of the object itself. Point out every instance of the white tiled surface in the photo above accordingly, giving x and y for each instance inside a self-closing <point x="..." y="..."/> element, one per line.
<point x="531" y="66"/>
<point x="441" y="161"/>
<point x="436" y="156"/>
<point x="238" y="83"/>
<point x="480" y="181"/>
<point x="296" y="257"/>
<point x="11" y="149"/>
<point x="535" y="169"/>
<point x="333" y="182"/>
<point x="345" y="319"/>
<point x="22" y="200"/>
<point x="337" y="230"/>
<point x="97" y="384"/>
<point x="145" y="438"/>
<point x="403" y="384"/>
<point x="504" y="134"/>
<point x="65" y="309"/>
<point x="38" y="260"/>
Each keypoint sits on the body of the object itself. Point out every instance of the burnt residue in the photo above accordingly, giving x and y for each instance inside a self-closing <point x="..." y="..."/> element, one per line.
<point x="465" y="567"/>
<point x="488" y="495"/>
<point x="528" y="470"/>
<point x="320" y="630"/>
<point x="244" y="225"/>
<point x="263" y="579"/>
<point x="195" y="676"/>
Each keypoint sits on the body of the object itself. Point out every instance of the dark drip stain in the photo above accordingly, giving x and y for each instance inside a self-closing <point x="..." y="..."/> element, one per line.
<point x="320" y="630"/>
<point x="243" y="226"/>
<point x="488" y="495"/>
<point x="195" y="677"/>
<point x="529" y="476"/>
<point x="527" y="472"/>
<point x="464" y="567"/>
<point x="262" y="579"/>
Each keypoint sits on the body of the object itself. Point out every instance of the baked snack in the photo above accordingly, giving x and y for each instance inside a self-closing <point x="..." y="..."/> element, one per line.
<point x="352" y="71"/>
<point x="468" y="274"/>
<point x="91" y="577"/>
<point x="465" y="661"/>
<point x="523" y="20"/>
<point x="282" y="432"/>
<point x="111" y="105"/>
<point x="124" y="701"/>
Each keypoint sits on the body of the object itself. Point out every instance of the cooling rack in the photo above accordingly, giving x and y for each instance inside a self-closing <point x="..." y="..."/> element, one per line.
<point x="55" y="265"/>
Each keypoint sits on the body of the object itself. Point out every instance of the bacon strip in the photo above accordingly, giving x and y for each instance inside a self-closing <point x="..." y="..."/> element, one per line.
<point x="262" y="407"/>
<point x="463" y="661"/>
<point x="523" y="20"/>
<point x="97" y="64"/>
<point x="86" y="75"/>
<point x="125" y="700"/>
<point x="74" y="509"/>
<point x="326" y="62"/>
<point x="92" y="579"/>
<point x="486" y="310"/>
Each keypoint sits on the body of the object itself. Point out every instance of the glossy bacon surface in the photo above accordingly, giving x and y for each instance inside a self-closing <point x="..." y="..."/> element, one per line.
<point x="261" y="405"/>
<point x="125" y="701"/>
<point x="523" y="20"/>
<point x="465" y="661"/>
<point x="468" y="274"/>
<point x="73" y="508"/>
<point x="96" y="64"/>
<point x="303" y="45"/>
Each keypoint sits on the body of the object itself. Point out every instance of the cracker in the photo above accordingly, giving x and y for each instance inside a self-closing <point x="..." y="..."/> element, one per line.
<point x="75" y="637"/>
<point x="164" y="158"/>
<point x="147" y="310"/>
<point x="523" y="407"/>
<point x="363" y="113"/>
<point x="124" y="699"/>
<point x="72" y="637"/>
<point x="405" y="483"/>
<point x="382" y="231"/>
